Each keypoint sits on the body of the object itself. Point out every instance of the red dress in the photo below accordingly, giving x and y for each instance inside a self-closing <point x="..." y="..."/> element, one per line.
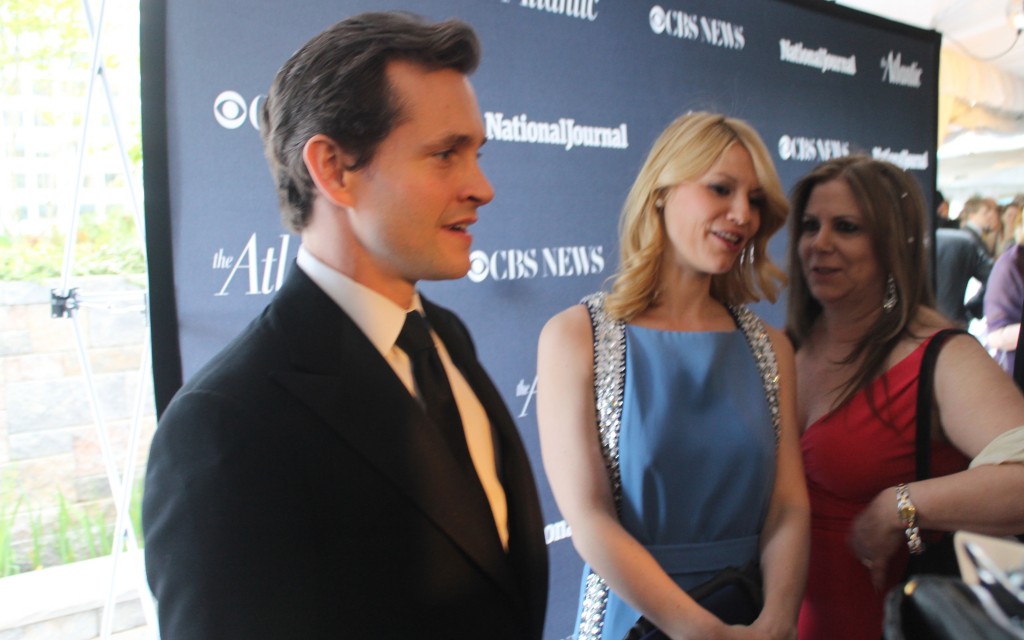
<point x="850" y="455"/>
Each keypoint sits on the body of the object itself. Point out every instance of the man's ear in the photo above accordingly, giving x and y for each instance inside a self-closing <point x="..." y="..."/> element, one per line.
<point x="328" y="164"/>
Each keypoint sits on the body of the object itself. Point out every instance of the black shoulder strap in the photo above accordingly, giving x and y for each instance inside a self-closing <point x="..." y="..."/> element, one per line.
<point x="924" y="401"/>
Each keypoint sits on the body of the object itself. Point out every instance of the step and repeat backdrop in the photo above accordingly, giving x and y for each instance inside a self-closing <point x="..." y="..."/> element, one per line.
<point x="572" y="94"/>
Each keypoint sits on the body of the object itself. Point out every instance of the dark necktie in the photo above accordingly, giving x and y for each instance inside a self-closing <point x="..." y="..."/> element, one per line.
<point x="432" y="384"/>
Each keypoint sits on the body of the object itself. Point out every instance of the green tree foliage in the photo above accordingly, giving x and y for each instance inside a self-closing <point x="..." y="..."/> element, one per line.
<point x="41" y="32"/>
<point x="107" y="247"/>
<point x="53" y="35"/>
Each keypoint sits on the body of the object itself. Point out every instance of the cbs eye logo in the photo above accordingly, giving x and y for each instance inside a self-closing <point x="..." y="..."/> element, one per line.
<point x="659" y="19"/>
<point x="231" y="110"/>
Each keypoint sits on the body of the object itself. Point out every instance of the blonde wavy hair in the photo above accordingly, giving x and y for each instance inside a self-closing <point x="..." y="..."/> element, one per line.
<point x="685" y="151"/>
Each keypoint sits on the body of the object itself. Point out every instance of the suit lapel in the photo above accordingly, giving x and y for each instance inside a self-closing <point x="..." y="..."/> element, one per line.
<point x="338" y="374"/>
<point x="527" y="547"/>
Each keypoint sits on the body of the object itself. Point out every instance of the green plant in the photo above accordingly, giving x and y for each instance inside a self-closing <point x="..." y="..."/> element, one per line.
<point x="107" y="246"/>
<point x="98" y="536"/>
<point x="35" y="553"/>
<point x="65" y="546"/>
<point x="135" y="511"/>
<point x="75" y="532"/>
<point x="30" y="258"/>
<point x="8" y="512"/>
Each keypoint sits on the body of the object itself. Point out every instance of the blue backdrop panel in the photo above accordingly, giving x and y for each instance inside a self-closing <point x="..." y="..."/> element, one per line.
<point x="573" y="93"/>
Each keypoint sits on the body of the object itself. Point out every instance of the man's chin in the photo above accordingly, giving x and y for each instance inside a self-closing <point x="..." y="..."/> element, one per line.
<point x="452" y="273"/>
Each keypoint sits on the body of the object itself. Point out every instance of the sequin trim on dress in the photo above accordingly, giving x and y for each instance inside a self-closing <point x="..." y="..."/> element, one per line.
<point x="764" y="356"/>
<point x="609" y="379"/>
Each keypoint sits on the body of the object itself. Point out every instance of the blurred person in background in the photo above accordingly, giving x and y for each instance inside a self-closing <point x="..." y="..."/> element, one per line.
<point x="1004" y="294"/>
<point x="1010" y="216"/>
<point x="942" y="219"/>
<point x="962" y="254"/>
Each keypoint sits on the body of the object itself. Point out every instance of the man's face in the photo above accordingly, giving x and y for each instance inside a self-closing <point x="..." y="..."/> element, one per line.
<point x="990" y="218"/>
<point x="413" y="204"/>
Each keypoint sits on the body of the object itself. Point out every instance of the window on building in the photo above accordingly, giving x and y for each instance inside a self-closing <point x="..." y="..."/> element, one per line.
<point x="115" y="210"/>
<point x="75" y="88"/>
<point x="44" y="119"/>
<point x="42" y="87"/>
<point x="13" y="118"/>
<point x="48" y="211"/>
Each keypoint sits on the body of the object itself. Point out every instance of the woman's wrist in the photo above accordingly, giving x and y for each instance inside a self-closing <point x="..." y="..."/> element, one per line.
<point x="703" y="625"/>
<point x="775" y="626"/>
<point x="906" y="510"/>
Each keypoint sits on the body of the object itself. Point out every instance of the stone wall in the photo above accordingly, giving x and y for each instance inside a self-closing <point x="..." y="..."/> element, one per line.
<point x="67" y="602"/>
<point x="49" y="433"/>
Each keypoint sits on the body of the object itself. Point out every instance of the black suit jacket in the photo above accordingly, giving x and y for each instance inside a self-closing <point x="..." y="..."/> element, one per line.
<point x="960" y="255"/>
<point x="295" y="490"/>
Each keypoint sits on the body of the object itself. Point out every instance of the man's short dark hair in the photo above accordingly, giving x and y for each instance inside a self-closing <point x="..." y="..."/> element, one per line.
<point x="337" y="85"/>
<point x="974" y="206"/>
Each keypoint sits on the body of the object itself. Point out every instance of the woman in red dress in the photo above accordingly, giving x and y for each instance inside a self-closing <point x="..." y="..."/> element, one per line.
<point x="860" y="315"/>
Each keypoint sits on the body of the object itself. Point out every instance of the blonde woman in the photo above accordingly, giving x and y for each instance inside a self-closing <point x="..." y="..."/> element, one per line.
<point x="666" y="408"/>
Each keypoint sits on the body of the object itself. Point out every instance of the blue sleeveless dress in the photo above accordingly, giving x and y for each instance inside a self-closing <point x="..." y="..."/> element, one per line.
<point x="696" y="455"/>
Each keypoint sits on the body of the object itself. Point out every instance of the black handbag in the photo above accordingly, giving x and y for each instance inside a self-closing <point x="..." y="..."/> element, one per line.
<point x="745" y="582"/>
<point x="939" y="556"/>
<point x="939" y="608"/>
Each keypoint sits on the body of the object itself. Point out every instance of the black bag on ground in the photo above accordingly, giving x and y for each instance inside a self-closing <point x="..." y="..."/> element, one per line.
<point x="938" y="608"/>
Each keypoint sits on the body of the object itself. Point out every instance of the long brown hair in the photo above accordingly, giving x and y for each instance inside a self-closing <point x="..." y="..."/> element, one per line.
<point x="893" y="208"/>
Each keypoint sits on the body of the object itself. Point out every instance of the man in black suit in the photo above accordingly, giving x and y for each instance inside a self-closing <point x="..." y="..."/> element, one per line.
<point x="962" y="254"/>
<point x="301" y="485"/>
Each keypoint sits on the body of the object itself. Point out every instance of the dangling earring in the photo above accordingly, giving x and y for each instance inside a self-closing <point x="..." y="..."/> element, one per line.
<point x="891" y="296"/>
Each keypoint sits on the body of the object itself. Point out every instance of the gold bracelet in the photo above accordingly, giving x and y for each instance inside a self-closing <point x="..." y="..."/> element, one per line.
<point x="908" y="516"/>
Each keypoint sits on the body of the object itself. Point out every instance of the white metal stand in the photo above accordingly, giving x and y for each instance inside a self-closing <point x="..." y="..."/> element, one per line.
<point x="65" y="302"/>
